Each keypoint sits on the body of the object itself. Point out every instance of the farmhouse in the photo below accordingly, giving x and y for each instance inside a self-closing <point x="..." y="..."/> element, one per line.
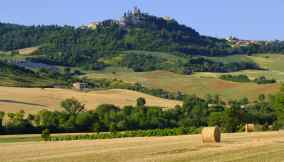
<point x="80" y="86"/>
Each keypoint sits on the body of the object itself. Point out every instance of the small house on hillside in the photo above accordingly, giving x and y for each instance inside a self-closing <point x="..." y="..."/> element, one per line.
<point x="80" y="86"/>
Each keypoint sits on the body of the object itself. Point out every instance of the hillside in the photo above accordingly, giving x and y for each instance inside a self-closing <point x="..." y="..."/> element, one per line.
<point x="237" y="147"/>
<point x="136" y="30"/>
<point x="200" y="84"/>
<point x="34" y="99"/>
<point x="11" y="75"/>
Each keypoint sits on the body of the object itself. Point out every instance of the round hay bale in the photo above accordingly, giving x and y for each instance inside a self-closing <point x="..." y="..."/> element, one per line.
<point x="211" y="135"/>
<point x="249" y="128"/>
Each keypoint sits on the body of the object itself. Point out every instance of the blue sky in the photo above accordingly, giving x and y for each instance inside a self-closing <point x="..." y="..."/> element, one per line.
<point x="248" y="19"/>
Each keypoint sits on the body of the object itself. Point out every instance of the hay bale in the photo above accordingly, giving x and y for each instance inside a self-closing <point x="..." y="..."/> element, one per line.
<point x="211" y="135"/>
<point x="249" y="128"/>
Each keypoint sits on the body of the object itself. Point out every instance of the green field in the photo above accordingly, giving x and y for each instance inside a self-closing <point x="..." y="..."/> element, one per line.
<point x="273" y="63"/>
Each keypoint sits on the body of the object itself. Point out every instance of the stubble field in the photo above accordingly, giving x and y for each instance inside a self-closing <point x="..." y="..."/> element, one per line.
<point x="31" y="100"/>
<point x="249" y="147"/>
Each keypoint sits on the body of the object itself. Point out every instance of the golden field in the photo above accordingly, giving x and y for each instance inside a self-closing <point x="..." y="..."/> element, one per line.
<point x="249" y="147"/>
<point x="34" y="99"/>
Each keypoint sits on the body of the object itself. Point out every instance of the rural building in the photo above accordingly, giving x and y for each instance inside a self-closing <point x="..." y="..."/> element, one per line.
<point x="80" y="86"/>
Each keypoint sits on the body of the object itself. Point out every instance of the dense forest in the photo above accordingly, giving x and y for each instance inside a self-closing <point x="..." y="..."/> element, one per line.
<point x="194" y="113"/>
<point x="83" y="46"/>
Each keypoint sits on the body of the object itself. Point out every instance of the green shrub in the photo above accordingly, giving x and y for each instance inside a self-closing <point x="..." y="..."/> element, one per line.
<point x="45" y="134"/>
<point x="138" y="133"/>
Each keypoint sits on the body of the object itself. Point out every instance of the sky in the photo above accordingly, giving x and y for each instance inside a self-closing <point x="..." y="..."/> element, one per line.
<point x="246" y="19"/>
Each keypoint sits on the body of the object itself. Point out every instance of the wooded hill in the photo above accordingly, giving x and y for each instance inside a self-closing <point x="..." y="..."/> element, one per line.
<point x="83" y="46"/>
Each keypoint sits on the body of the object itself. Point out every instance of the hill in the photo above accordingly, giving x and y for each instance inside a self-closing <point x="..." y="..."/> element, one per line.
<point x="136" y="30"/>
<point x="200" y="84"/>
<point x="12" y="75"/>
<point x="34" y="99"/>
<point x="253" y="147"/>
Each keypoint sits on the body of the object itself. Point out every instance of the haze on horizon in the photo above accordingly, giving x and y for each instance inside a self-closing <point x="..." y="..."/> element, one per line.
<point x="258" y="20"/>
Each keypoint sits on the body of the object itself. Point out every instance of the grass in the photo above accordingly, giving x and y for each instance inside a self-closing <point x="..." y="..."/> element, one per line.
<point x="22" y="80"/>
<point x="252" y="147"/>
<point x="232" y="58"/>
<point x="19" y="138"/>
<point x="29" y="137"/>
<point x="32" y="100"/>
<point x="200" y="84"/>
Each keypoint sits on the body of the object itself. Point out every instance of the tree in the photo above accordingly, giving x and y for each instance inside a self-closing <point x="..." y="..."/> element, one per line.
<point x="231" y="120"/>
<point x="45" y="134"/>
<point x="84" y="120"/>
<point x="18" y="123"/>
<point x="72" y="106"/>
<point x="216" y="119"/>
<point x="278" y="105"/>
<point x="2" y="114"/>
<point x="140" y="102"/>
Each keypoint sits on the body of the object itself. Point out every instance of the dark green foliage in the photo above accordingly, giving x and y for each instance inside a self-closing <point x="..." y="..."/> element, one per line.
<point x="264" y="80"/>
<point x="2" y="114"/>
<point x="235" y="78"/>
<point x="278" y="107"/>
<point x="14" y="37"/>
<point x="124" y="134"/>
<point x="72" y="106"/>
<point x="201" y="64"/>
<point x="142" y="61"/>
<point x="141" y="102"/>
<point x="244" y="78"/>
<point x="139" y="62"/>
<point x="18" y="122"/>
<point x="45" y="135"/>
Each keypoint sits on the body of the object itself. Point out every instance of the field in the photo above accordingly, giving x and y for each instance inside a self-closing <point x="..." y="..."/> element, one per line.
<point x="200" y="84"/>
<point x="35" y="99"/>
<point x="272" y="62"/>
<point x="252" y="147"/>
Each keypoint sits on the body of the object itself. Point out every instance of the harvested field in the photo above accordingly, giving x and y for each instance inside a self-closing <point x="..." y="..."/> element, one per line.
<point x="34" y="99"/>
<point x="253" y="147"/>
<point x="199" y="84"/>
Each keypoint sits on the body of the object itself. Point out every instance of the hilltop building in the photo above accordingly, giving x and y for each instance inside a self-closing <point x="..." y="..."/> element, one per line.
<point x="134" y="17"/>
<point x="236" y="42"/>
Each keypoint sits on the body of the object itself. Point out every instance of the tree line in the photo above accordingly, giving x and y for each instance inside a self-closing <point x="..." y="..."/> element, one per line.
<point x="245" y="78"/>
<point x="194" y="113"/>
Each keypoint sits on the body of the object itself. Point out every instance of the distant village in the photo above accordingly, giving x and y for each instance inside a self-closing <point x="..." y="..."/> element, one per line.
<point x="136" y="16"/>
<point x="236" y="42"/>
<point x="131" y="17"/>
